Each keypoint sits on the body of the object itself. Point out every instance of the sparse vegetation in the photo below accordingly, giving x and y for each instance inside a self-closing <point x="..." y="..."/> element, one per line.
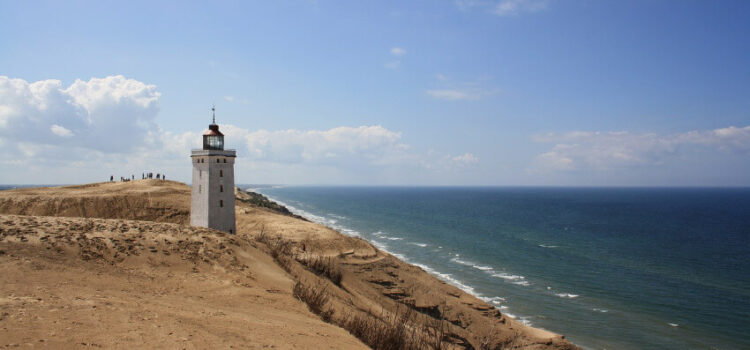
<point x="391" y="332"/>
<point x="316" y="297"/>
<point x="324" y="266"/>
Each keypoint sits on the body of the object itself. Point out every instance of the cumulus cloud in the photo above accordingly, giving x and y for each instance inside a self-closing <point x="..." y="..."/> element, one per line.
<point x="112" y="114"/>
<point x="363" y="146"/>
<point x="60" y="131"/>
<point x="610" y="150"/>
<point x="110" y="123"/>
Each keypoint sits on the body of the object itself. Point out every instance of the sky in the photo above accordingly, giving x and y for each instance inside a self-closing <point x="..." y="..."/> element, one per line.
<point x="424" y="92"/>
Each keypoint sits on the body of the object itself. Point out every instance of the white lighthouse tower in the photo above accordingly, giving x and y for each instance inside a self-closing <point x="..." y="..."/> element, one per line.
<point x="212" y="199"/>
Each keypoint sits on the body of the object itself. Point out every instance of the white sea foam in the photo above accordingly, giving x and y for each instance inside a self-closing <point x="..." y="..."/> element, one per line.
<point x="673" y="324"/>
<point x="508" y="277"/>
<point x="516" y="279"/>
<point x="462" y="262"/>
<point x="547" y="246"/>
<point x="567" y="295"/>
<point x="493" y="300"/>
<point x="448" y="278"/>
<point x="600" y="310"/>
<point x="418" y="244"/>
<point x="523" y="319"/>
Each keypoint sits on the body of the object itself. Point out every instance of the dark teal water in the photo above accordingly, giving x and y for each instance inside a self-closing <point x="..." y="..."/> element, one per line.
<point x="610" y="268"/>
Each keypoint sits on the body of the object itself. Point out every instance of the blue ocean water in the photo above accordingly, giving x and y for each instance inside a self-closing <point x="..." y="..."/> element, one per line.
<point x="610" y="268"/>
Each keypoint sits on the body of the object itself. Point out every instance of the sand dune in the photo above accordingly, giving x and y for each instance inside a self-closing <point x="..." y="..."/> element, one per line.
<point x="121" y="283"/>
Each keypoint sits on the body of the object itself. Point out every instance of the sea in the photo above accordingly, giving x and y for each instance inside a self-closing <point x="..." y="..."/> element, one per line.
<point x="609" y="268"/>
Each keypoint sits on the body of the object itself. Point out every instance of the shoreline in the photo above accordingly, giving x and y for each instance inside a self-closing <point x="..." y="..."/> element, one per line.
<point x="445" y="277"/>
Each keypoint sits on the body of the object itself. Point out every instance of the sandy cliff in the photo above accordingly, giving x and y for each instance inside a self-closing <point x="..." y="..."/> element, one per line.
<point x="116" y="282"/>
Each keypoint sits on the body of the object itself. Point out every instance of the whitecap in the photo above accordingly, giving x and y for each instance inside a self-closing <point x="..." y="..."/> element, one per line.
<point x="483" y="268"/>
<point x="462" y="262"/>
<point x="673" y="324"/>
<point x="393" y="238"/>
<point x="493" y="300"/>
<point x="567" y="295"/>
<point x="418" y="244"/>
<point x="525" y="320"/>
<point x="508" y="277"/>
<point x="547" y="246"/>
<point x="522" y="283"/>
<point x="600" y="310"/>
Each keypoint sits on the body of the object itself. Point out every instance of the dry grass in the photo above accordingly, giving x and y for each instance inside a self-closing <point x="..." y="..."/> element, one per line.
<point x="391" y="332"/>
<point x="280" y="249"/>
<point x="324" y="266"/>
<point x="316" y="297"/>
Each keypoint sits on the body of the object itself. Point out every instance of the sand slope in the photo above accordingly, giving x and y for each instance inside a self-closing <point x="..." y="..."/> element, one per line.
<point x="69" y="282"/>
<point x="121" y="283"/>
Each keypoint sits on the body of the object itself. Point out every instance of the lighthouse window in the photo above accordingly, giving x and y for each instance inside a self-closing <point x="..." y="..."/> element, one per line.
<point x="221" y="203"/>
<point x="225" y="160"/>
<point x="217" y="160"/>
<point x="221" y="173"/>
<point x="221" y="188"/>
<point x="200" y="188"/>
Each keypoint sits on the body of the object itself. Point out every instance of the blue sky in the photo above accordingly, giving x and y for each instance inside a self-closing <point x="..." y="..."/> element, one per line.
<point x="503" y="92"/>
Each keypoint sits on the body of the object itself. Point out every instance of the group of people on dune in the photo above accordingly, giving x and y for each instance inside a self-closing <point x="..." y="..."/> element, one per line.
<point x="144" y="176"/>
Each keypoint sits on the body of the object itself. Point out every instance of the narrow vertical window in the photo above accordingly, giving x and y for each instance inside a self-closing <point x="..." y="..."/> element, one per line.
<point x="225" y="160"/>
<point x="221" y="173"/>
<point x="200" y="188"/>
<point x="217" y="160"/>
<point x="221" y="203"/>
<point x="221" y="188"/>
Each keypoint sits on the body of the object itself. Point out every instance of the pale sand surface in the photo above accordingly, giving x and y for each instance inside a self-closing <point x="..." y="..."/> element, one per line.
<point x="156" y="282"/>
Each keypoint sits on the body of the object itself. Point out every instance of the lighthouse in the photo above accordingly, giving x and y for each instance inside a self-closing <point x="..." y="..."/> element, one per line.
<point x="212" y="198"/>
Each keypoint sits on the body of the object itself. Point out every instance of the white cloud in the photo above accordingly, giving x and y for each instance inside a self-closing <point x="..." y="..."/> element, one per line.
<point x="92" y="129"/>
<point x="504" y="8"/>
<point x="60" y="131"/>
<point x="466" y="158"/>
<point x="398" y="51"/>
<point x="229" y="98"/>
<point x="580" y="150"/>
<point x="454" y="94"/>
<point x="108" y="115"/>
<point x="515" y="7"/>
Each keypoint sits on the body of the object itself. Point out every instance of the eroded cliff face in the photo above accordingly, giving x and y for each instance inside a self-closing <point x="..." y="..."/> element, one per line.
<point x="149" y="200"/>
